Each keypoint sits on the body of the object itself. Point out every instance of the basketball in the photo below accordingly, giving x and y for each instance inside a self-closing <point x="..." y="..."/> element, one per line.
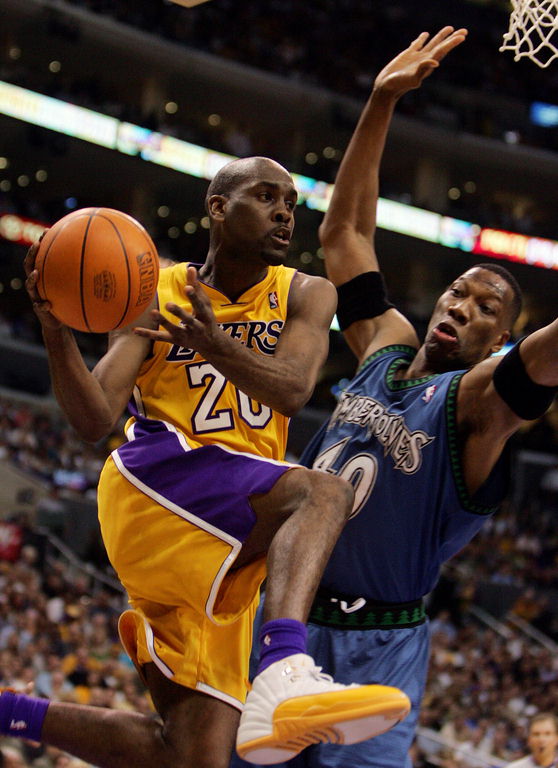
<point x="98" y="267"/>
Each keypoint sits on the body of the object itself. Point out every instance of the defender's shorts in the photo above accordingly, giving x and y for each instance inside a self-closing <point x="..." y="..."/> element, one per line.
<point x="173" y="521"/>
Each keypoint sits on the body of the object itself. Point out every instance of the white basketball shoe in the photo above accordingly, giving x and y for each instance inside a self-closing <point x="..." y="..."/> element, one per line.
<point x="292" y="705"/>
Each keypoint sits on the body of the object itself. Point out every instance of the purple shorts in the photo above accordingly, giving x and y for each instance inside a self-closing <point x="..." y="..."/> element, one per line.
<point x="213" y="483"/>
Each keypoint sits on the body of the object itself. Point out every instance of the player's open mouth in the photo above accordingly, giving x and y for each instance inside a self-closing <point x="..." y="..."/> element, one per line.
<point x="445" y="332"/>
<point x="282" y="235"/>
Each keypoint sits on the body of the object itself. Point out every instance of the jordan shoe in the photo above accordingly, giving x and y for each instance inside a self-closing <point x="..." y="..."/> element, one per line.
<point x="292" y="704"/>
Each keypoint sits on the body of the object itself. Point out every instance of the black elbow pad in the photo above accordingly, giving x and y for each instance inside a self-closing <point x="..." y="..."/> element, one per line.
<point x="526" y="399"/>
<point x="361" y="298"/>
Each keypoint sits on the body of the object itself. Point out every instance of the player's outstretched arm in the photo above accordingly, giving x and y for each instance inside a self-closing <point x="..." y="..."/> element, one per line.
<point x="283" y="381"/>
<point x="92" y="401"/>
<point x="496" y="396"/>
<point x="504" y="391"/>
<point x="539" y="352"/>
<point x="349" y="225"/>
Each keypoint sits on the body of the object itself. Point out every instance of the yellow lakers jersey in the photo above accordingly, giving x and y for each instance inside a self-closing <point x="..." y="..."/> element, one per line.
<point x="178" y="386"/>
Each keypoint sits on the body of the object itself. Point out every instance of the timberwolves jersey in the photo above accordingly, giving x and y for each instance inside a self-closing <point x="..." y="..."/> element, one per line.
<point x="396" y="441"/>
<point x="178" y="386"/>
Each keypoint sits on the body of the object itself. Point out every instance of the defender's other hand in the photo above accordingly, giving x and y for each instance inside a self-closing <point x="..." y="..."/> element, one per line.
<point x="407" y="70"/>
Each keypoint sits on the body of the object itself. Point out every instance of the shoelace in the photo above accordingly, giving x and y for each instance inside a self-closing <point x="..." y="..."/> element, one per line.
<point x="322" y="677"/>
<point x="315" y="672"/>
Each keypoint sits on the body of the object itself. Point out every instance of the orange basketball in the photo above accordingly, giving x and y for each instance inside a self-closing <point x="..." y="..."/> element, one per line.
<point x="98" y="267"/>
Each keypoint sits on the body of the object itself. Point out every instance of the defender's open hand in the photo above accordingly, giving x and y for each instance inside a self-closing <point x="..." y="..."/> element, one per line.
<point x="407" y="70"/>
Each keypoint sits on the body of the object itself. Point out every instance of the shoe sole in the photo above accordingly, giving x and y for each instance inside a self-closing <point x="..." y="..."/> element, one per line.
<point x="306" y="720"/>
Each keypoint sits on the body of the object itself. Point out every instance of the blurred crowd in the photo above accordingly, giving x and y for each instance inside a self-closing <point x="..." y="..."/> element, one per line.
<point x="58" y="634"/>
<point x="518" y="551"/>
<point x="58" y="629"/>
<point x="483" y="689"/>
<point x="45" y="447"/>
<point x="58" y="637"/>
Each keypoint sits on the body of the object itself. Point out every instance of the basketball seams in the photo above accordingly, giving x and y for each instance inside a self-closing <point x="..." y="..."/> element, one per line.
<point x="82" y="270"/>
<point x="128" y="272"/>
<point x="42" y="267"/>
<point x="91" y="287"/>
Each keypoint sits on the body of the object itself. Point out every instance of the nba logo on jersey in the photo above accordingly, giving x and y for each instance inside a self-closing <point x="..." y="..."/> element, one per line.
<point x="429" y="393"/>
<point x="273" y="300"/>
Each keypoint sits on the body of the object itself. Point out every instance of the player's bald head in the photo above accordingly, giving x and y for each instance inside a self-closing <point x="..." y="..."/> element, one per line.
<point x="245" y="169"/>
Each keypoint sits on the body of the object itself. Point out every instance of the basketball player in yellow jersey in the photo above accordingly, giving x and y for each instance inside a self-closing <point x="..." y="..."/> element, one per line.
<point x="256" y="321"/>
<point x="194" y="501"/>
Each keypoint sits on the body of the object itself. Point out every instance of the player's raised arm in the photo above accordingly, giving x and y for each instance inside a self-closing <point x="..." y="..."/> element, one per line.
<point x="348" y="228"/>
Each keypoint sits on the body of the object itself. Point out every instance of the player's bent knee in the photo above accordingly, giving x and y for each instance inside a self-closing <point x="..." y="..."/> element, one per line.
<point x="332" y="491"/>
<point x="301" y="487"/>
<point x="346" y="495"/>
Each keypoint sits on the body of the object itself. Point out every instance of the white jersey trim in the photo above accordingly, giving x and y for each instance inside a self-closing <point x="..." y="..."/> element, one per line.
<point x="150" y="640"/>
<point x="235" y="544"/>
<point x="204" y="688"/>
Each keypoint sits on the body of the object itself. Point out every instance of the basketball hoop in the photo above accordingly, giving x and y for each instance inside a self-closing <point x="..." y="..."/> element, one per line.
<point x="533" y="24"/>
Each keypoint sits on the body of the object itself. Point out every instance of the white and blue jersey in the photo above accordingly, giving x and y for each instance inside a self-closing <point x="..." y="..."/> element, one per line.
<point x="397" y="441"/>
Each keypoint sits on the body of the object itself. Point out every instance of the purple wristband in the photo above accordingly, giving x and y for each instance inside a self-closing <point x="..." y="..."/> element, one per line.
<point x="22" y="716"/>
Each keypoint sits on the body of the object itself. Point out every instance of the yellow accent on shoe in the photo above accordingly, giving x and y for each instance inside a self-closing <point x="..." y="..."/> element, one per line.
<point x="293" y="705"/>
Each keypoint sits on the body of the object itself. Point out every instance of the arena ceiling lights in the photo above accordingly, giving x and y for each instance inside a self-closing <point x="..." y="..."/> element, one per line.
<point x="193" y="160"/>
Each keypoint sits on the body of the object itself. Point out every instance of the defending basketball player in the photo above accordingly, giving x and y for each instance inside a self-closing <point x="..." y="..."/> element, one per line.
<point x="193" y="502"/>
<point x="420" y="429"/>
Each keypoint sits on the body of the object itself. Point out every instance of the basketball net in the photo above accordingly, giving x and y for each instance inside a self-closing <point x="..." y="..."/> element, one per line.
<point x="533" y="24"/>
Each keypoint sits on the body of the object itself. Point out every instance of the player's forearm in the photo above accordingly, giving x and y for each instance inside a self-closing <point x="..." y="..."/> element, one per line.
<point x="277" y="383"/>
<point x="347" y="231"/>
<point x="76" y="389"/>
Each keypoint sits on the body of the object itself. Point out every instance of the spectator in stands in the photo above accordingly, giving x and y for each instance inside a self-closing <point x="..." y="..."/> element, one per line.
<point x="542" y="742"/>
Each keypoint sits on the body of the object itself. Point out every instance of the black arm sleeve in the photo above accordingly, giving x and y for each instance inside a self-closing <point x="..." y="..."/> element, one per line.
<point x="360" y="298"/>
<point x="526" y="399"/>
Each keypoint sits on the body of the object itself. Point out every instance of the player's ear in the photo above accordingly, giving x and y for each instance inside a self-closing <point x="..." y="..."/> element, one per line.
<point x="502" y="339"/>
<point x="216" y="206"/>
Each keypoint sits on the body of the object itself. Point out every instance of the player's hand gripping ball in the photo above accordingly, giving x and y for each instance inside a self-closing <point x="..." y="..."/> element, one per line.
<point x="98" y="268"/>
